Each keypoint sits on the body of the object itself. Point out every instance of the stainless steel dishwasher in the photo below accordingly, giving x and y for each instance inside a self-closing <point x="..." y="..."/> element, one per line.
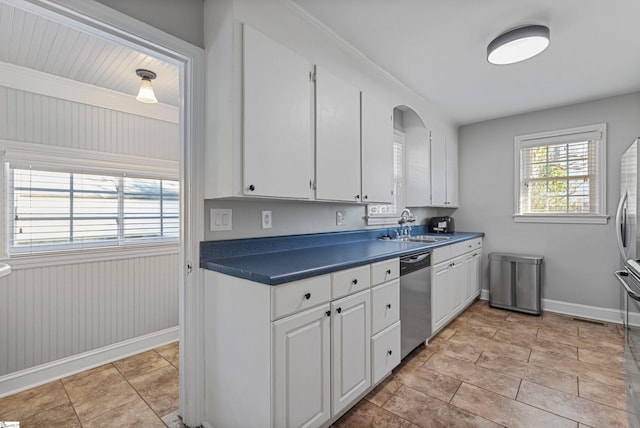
<point x="415" y="300"/>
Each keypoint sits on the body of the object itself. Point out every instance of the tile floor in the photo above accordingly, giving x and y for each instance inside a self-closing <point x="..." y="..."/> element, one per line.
<point x="139" y="391"/>
<point x="493" y="368"/>
<point x="488" y="368"/>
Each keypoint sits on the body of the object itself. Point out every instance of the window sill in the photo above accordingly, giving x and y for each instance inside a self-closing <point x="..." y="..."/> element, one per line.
<point x="383" y="220"/>
<point x="559" y="218"/>
<point x="68" y="257"/>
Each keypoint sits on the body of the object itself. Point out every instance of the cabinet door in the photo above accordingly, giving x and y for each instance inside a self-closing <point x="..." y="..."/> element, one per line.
<point x="478" y="266"/>
<point x="277" y="109"/>
<point x="471" y="273"/>
<point x="452" y="172"/>
<point x="440" y="309"/>
<point x="444" y="171"/>
<point x="377" y="151"/>
<point x="337" y="139"/>
<point x="302" y="369"/>
<point x="438" y="169"/>
<point x="350" y="348"/>
<point x="458" y="284"/>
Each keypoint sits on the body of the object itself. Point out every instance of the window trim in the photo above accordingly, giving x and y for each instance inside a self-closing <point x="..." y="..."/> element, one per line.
<point x="556" y="137"/>
<point x="93" y="162"/>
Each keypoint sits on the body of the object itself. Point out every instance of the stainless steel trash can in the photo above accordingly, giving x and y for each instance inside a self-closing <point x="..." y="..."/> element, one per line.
<point x="515" y="281"/>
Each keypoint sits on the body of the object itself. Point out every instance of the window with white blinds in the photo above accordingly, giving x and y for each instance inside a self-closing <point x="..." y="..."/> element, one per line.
<point x="560" y="176"/>
<point x="51" y="210"/>
<point x="56" y="199"/>
<point x="388" y="213"/>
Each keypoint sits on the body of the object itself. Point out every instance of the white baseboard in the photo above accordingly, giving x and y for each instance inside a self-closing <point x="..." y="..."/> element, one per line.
<point x="34" y="376"/>
<point x="581" y="311"/>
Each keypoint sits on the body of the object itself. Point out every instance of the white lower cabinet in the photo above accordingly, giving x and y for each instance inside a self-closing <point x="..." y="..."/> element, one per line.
<point x="302" y="370"/>
<point x="385" y="352"/>
<point x="292" y="355"/>
<point x="350" y="348"/>
<point x="455" y="280"/>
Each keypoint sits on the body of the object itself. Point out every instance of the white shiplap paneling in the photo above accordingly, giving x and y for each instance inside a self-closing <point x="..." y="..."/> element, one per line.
<point x="34" y="118"/>
<point x="42" y="44"/>
<point x="54" y="312"/>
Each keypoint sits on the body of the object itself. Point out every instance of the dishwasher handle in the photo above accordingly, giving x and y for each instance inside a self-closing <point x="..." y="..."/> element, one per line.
<point x="414" y="259"/>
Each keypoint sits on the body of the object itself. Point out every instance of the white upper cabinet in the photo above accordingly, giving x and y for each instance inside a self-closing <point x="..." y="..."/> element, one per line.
<point x="277" y="119"/>
<point x="444" y="171"/>
<point x="337" y="139"/>
<point x="377" y="151"/>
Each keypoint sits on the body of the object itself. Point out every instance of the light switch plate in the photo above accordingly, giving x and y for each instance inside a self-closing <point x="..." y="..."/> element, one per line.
<point x="267" y="219"/>
<point x="340" y="218"/>
<point x="220" y="219"/>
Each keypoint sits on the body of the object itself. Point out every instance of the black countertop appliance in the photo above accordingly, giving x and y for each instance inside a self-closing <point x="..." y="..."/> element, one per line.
<point x="442" y="225"/>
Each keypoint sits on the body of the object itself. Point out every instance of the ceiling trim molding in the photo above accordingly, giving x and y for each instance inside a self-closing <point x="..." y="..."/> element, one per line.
<point x="348" y="46"/>
<point x="30" y="80"/>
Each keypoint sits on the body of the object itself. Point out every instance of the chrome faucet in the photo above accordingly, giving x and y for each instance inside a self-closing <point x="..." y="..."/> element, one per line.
<point x="406" y="216"/>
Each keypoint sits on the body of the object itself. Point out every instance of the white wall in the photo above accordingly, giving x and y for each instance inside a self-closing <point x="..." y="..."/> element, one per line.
<point x="579" y="259"/>
<point x="181" y="18"/>
<point x="52" y="312"/>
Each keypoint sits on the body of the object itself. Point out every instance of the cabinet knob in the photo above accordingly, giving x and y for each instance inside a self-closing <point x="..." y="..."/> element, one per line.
<point x="252" y="187"/>
<point x="328" y="313"/>
<point x="339" y="310"/>
<point x="366" y="197"/>
<point x="388" y="305"/>
<point x="355" y="281"/>
<point x="357" y="196"/>
<point x="389" y="352"/>
<point x="307" y="296"/>
<point x="388" y="271"/>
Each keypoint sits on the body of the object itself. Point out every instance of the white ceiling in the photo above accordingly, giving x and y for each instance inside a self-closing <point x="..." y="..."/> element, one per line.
<point x="38" y="43"/>
<point x="438" y="49"/>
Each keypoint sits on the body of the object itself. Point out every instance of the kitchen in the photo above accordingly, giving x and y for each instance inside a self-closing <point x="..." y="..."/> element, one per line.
<point x="484" y="207"/>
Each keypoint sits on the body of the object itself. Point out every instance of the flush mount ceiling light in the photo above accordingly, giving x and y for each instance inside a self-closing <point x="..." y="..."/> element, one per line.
<point x="518" y="44"/>
<point x="145" y="94"/>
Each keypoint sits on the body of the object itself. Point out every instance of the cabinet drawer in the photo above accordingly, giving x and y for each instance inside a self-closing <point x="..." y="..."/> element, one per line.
<point x="385" y="305"/>
<point x="295" y="296"/>
<point x="440" y="254"/>
<point x="385" y="352"/>
<point x="350" y="281"/>
<point x="385" y="271"/>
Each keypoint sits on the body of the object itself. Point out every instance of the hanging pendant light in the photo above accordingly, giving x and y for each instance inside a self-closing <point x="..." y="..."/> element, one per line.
<point x="146" y="94"/>
<point x="518" y="44"/>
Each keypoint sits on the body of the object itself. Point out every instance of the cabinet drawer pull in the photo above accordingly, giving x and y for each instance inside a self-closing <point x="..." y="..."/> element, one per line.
<point x="389" y="352"/>
<point x="252" y="187"/>
<point x="355" y="281"/>
<point x="388" y="305"/>
<point x="388" y="271"/>
<point x="339" y="310"/>
<point x="307" y="296"/>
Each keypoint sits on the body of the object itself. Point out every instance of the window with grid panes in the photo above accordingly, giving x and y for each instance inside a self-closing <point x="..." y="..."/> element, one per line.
<point x="560" y="176"/>
<point x="56" y="210"/>
<point x="389" y="213"/>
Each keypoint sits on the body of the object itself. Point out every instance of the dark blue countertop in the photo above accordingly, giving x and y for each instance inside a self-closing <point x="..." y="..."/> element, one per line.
<point x="279" y="260"/>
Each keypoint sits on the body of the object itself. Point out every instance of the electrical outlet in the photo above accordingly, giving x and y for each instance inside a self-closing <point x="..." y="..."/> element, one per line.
<point x="267" y="220"/>
<point x="340" y="218"/>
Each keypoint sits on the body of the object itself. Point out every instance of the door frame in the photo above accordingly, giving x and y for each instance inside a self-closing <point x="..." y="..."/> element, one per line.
<point x="108" y="23"/>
